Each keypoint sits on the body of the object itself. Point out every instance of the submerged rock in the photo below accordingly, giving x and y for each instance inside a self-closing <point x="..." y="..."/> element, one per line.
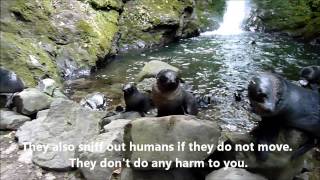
<point x="10" y="120"/>
<point x="233" y="174"/>
<point x="152" y="68"/>
<point x="170" y="130"/>
<point x="31" y="100"/>
<point x="67" y="123"/>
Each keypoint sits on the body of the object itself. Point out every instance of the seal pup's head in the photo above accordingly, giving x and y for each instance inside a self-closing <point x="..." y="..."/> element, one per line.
<point x="265" y="91"/>
<point x="129" y="89"/>
<point x="10" y="82"/>
<point x="308" y="75"/>
<point x="167" y="80"/>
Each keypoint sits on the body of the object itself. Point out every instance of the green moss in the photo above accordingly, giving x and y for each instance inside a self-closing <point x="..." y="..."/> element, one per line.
<point x="298" y="17"/>
<point x="16" y="54"/>
<point x="106" y="4"/>
<point x="32" y="10"/>
<point x="151" y="21"/>
<point x="98" y="35"/>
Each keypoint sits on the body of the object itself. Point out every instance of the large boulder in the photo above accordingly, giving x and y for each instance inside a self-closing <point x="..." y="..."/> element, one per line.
<point x="170" y="130"/>
<point x="233" y="174"/>
<point x="152" y="68"/>
<point x="112" y="137"/>
<point x="31" y="100"/>
<point x="10" y="120"/>
<point x="67" y="123"/>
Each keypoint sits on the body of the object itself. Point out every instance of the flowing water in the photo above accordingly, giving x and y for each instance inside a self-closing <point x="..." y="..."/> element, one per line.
<point x="220" y="62"/>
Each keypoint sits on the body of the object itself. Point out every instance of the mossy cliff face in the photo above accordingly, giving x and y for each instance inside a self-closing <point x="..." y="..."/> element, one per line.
<point x="297" y="18"/>
<point x="56" y="38"/>
<point x="65" y="39"/>
<point x="149" y="23"/>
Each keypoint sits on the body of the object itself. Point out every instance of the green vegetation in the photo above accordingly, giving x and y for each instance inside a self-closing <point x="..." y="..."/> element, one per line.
<point x="299" y="18"/>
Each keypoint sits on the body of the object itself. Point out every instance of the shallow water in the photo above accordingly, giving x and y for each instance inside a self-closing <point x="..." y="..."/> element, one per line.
<point x="220" y="64"/>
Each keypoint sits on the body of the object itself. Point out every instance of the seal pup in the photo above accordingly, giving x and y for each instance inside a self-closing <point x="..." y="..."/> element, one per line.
<point x="135" y="100"/>
<point x="310" y="77"/>
<point x="170" y="98"/>
<point x="282" y="104"/>
<point x="10" y="82"/>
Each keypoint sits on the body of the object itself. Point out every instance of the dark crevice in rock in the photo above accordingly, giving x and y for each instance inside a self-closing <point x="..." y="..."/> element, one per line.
<point x="105" y="8"/>
<point x="19" y="16"/>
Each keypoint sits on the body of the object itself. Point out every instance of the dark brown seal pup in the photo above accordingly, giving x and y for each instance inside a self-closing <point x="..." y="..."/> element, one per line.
<point x="135" y="100"/>
<point x="282" y="104"/>
<point x="170" y="98"/>
<point x="310" y="77"/>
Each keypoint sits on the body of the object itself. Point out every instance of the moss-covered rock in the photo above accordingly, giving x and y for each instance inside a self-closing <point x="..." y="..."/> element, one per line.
<point x="56" y="37"/>
<point x="297" y="18"/>
<point x="26" y="58"/>
<point x="148" y="23"/>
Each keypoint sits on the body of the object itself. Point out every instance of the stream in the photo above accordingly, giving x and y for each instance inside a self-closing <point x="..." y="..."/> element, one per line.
<point x="219" y="62"/>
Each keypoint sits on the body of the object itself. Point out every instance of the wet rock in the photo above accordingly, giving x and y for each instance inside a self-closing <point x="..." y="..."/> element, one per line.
<point x="233" y="174"/>
<point x="31" y="100"/>
<point x="113" y="136"/>
<point x="146" y="84"/>
<point x="50" y="87"/>
<point x="66" y="123"/>
<point x="170" y="130"/>
<point x="10" y="120"/>
<point x="95" y="101"/>
<point x="175" y="174"/>
<point x="125" y="115"/>
<point x="152" y="68"/>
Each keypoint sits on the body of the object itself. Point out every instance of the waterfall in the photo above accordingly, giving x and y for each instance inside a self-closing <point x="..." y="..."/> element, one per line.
<point x="232" y="19"/>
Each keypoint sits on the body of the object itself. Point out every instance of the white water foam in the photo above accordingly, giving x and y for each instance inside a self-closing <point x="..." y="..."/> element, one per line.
<point x="232" y="19"/>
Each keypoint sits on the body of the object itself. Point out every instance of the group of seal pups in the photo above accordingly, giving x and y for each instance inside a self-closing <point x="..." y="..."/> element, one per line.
<point x="280" y="103"/>
<point x="167" y="95"/>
